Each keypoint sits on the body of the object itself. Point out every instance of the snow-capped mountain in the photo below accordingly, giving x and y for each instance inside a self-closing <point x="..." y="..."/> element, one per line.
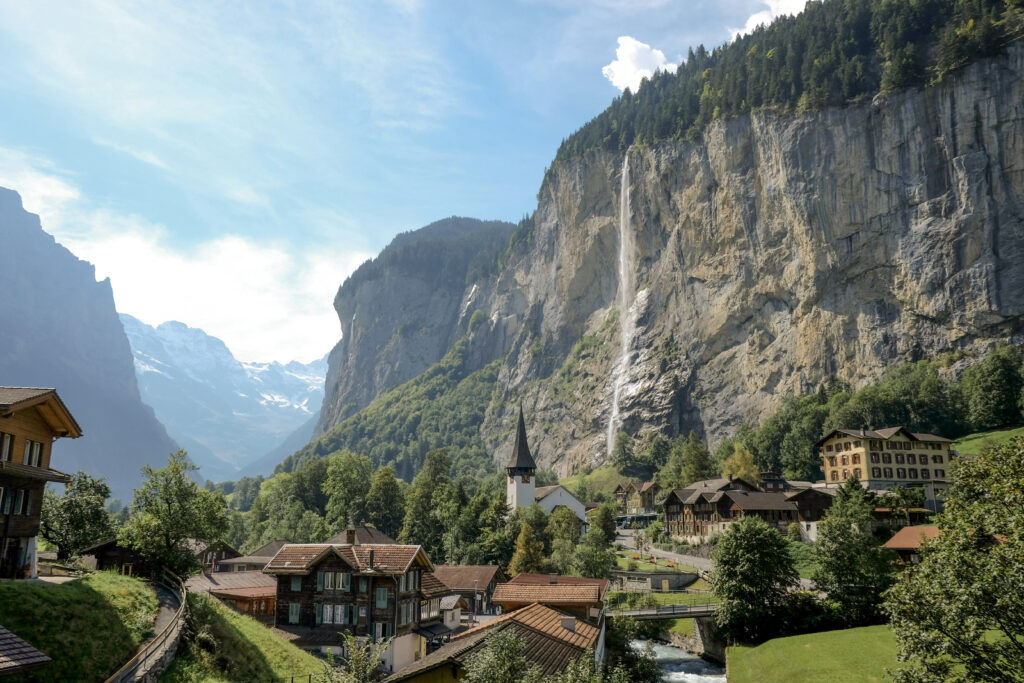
<point x="226" y="413"/>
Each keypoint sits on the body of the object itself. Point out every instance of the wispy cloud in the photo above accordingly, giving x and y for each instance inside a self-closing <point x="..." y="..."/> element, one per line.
<point x="137" y="154"/>
<point x="267" y="301"/>
<point x="773" y="9"/>
<point x="635" y="61"/>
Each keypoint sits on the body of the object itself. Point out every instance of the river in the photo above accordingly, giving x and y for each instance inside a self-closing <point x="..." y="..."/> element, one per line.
<point x="679" y="665"/>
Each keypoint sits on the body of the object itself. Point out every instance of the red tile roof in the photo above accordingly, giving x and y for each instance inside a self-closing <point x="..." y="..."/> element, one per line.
<point x="911" y="537"/>
<point x="556" y="579"/>
<point x="513" y="594"/>
<point x="17" y="656"/>
<point x="220" y="581"/>
<point x="547" y="621"/>
<point x="298" y="558"/>
<point x="432" y="587"/>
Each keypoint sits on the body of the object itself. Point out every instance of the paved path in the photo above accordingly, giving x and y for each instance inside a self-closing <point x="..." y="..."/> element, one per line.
<point x="169" y="604"/>
<point x="703" y="564"/>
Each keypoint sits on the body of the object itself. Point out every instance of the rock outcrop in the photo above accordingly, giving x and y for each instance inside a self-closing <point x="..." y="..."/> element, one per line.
<point x="60" y="330"/>
<point x="771" y="254"/>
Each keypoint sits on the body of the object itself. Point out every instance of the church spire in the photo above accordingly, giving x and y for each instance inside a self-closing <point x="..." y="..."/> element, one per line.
<point x="521" y="458"/>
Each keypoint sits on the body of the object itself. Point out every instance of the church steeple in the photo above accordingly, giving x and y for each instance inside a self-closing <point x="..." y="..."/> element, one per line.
<point x="521" y="461"/>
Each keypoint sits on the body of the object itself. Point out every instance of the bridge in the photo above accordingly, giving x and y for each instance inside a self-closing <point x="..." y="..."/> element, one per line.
<point x="666" y="612"/>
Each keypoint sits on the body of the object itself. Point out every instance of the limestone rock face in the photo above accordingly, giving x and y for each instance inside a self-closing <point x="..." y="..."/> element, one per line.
<point x="771" y="254"/>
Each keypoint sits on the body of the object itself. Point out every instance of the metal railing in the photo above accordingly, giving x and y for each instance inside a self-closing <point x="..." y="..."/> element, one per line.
<point x="155" y="648"/>
<point x="666" y="611"/>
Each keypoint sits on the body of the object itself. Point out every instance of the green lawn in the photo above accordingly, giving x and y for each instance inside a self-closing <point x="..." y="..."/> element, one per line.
<point x="851" y="655"/>
<point x="88" y="627"/>
<point x="623" y="558"/>
<point x="683" y="627"/>
<point x="234" y="647"/>
<point x="973" y="443"/>
<point x="604" y="479"/>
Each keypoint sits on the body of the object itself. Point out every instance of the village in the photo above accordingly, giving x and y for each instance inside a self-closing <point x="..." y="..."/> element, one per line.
<point x="362" y="588"/>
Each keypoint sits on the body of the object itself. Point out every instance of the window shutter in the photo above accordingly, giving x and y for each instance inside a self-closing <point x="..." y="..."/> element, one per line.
<point x="319" y="581"/>
<point x="296" y="583"/>
<point x="319" y="612"/>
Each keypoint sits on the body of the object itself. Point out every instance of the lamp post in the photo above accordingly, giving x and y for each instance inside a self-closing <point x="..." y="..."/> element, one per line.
<point x="476" y="596"/>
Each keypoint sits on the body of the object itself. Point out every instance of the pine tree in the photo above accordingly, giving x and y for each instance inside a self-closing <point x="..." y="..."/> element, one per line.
<point x="385" y="502"/>
<point x="529" y="553"/>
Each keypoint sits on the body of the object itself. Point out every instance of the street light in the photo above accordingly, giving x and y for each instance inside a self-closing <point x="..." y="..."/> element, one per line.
<point x="476" y="596"/>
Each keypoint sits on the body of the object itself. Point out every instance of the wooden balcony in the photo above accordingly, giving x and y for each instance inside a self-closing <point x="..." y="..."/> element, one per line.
<point x="15" y="469"/>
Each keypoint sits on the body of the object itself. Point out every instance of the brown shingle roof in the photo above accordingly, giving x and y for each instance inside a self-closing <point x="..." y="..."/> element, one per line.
<point x="756" y="500"/>
<point x="258" y="592"/>
<point x="549" y="645"/>
<point x="259" y="556"/>
<point x="364" y="534"/>
<point x="50" y="406"/>
<point x="17" y="656"/>
<point x="298" y="558"/>
<point x="218" y="581"/>
<point x="648" y="486"/>
<point x="556" y="579"/>
<point x="883" y="434"/>
<point x="523" y="593"/>
<point x="431" y="586"/>
<point x="542" y="492"/>
<point x="461" y="577"/>
<point x="911" y="537"/>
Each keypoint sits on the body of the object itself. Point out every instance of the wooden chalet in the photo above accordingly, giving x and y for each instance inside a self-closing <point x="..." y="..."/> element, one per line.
<point x="30" y="421"/>
<point x="251" y="592"/>
<point x="576" y="595"/>
<point x="475" y="583"/>
<point x="553" y="639"/>
<point x="373" y="590"/>
<point x="254" y="561"/>
<point x="640" y="499"/>
<point x="699" y="512"/>
<point x="682" y="518"/>
<point x="623" y="491"/>
<point x="110" y="555"/>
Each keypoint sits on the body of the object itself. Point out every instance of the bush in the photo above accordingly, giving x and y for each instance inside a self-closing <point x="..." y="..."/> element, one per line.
<point x="794" y="532"/>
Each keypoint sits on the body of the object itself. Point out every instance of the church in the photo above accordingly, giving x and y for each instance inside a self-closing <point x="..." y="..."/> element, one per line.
<point x="521" y="490"/>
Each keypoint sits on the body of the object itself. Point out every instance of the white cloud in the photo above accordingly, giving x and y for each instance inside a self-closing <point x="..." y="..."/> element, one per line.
<point x="635" y="61"/>
<point x="137" y="154"/>
<point x="267" y="301"/>
<point x="775" y="8"/>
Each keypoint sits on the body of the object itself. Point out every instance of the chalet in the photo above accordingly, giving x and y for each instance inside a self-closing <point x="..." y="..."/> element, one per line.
<point x="30" y="421"/>
<point x="211" y="555"/>
<point x="580" y="596"/>
<point x="811" y="505"/>
<point x="553" y="639"/>
<point x="251" y="592"/>
<point x="373" y="590"/>
<point x="475" y="583"/>
<point x="521" y="488"/>
<point x="908" y="540"/>
<point x="254" y="561"/>
<point x="681" y="518"/>
<point x="110" y="555"/>
<point x="886" y="458"/>
<point x="640" y="500"/>
<point x="623" y="491"/>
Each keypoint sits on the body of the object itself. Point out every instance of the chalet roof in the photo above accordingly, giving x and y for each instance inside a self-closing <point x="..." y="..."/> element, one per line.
<point x="299" y="558"/>
<point x="521" y="458"/>
<point x="548" y="644"/>
<point x="625" y="487"/>
<point x="431" y="586"/>
<point x="883" y="434"/>
<point x="557" y="579"/>
<point x="254" y="592"/>
<point x="452" y="601"/>
<point x="17" y="656"/>
<point x="364" y="534"/>
<point x="228" y="581"/>
<point x="200" y="547"/>
<point x="911" y="537"/>
<point x="46" y="401"/>
<point x="259" y="556"/>
<point x="524" y="593"/>
<point x="647" y="486"/>
<point x="461" y="578"/>
<point x="758" y="500"/>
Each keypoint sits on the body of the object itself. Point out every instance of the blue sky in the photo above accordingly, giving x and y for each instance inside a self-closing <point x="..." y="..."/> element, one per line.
<point x="227" y="164"/>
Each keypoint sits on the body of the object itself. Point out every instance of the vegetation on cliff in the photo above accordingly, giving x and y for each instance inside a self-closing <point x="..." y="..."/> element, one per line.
<point x="834" y="52"/>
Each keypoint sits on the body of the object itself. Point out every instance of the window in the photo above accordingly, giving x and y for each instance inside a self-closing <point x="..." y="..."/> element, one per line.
<point x="937" y="459"/>
<point x="19" y="503"/>
<point x="401" y="584"/>
<point x="382" y="598"/>
<point x="856" y="472"/>
<point x="846" y="460"/>
<point x="33" y="453"/>
<point x="901" y="473"/>
<point x="296" y="584"/>
<point x="293" y="612"/>
<point x="846" y="474"/>
<point x="831" y="461"/>
<point x="887" y="458"/>
<point x="876" y="471"/>
<point x="835" y="476"/>
<point x="856" y="458"/>
<point x="6" y="446"/>
<point x="924" y="474"/>
<point x="6" y="501"/>
<point x="328" y="581"/>
<point x="846" y="446"/>
<point x="856" y="444"/>
<point x="828" y="448"/>
<point x="344" y="581"/>
<point x="911" y="459"/>
<point x="912" y="472"/>
<point x="939" y="474"/>
<point x="362" y="585"/>
<point x="899" y="459"/>
<point x="875" y="458"/>
<point x="888" y="473"/>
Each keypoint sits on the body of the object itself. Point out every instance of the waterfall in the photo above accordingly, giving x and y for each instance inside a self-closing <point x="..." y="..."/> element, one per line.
<point x="627" y="314"/>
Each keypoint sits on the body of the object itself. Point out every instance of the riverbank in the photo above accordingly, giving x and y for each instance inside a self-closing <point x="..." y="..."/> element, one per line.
<point x="679" y="666"/>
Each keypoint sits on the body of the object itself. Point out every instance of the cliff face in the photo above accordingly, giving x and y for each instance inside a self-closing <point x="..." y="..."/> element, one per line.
<point x="60" y="330"/>
<point x="767" y="256"/>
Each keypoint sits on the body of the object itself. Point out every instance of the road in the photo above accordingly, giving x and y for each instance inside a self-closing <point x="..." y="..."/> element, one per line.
<point x="625" y="537"/>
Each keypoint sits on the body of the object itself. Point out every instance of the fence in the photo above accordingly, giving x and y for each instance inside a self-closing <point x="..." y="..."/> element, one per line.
<point x="153" y="652"/>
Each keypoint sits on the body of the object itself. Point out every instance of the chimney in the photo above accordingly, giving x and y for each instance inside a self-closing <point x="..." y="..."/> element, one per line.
<point x="350" y="533"/>
<point x="371" y="558"/>
<point x="569" y="623"/>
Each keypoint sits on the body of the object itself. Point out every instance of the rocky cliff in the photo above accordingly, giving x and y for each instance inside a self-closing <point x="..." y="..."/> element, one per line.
<point x="764" y="257"/>
<point x="60" y="330"/>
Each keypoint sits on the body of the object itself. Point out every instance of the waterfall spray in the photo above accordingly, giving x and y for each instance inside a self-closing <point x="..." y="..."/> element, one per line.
<point x="627" y="315"/>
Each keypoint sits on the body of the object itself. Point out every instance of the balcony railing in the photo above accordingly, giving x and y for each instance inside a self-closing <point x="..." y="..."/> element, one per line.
<point x="18" y="470"/>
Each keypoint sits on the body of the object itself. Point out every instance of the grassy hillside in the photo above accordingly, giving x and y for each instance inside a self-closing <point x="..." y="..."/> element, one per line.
<point x="88" y="627"/>
<point x="227" y="646"/>
<point x="604" y="479"/>
<point x="973" y="443"/>
<point x="851" y="655"/>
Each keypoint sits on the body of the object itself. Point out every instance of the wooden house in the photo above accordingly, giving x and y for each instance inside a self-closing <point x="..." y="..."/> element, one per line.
<point x="579" y="596"/>
<point x="372" y="590"/>
<point x="254" y="561"/>
<point x="30" y="421"/>
<point x="908" y="540"/>
<point x="641" y="499"/>
<point x="680" y="518"/>
<point x="475" y="583"/>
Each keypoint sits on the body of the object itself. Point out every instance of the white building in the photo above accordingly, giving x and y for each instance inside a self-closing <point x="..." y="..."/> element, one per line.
<point x="521" y="490"/>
